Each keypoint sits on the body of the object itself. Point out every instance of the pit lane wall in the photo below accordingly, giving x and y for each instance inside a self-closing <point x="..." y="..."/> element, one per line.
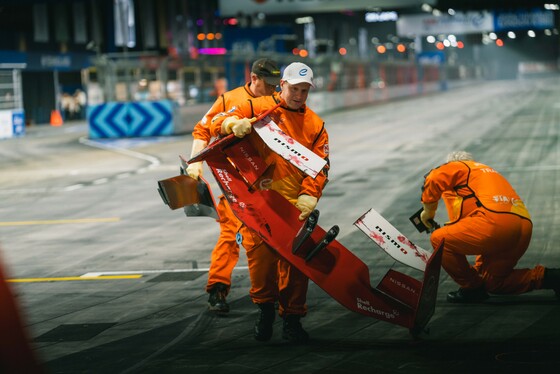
<point x="324" y="101"/>
<point x="165" y="117"/>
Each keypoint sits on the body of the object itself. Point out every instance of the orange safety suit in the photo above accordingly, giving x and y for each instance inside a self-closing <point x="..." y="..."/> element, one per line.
<point x="487" y="219"/>
<point x="226" y="251"/>
<point x="272" y="277"/>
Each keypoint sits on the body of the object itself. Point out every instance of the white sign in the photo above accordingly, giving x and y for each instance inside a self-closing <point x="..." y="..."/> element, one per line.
<point x="392" y="241"/>
<point x="534" y="19"/>
<point x="381" y="16"/>
<point x="125" y="27"/>
<point x="287" y="147"/>
<point x="232" y="8"/>
<point x="460" y="23"/>
<point x="6" y="127"/>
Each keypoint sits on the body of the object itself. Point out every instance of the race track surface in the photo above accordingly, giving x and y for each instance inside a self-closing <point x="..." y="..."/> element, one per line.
<point x="70" y="208"/>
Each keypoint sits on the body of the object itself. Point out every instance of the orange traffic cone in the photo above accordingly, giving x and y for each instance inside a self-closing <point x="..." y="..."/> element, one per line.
<point x="56" y="118"/>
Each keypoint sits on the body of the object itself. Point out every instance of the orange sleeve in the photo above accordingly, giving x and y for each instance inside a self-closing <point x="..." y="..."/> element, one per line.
<point x="202" y="129"/>
<point x="443" y="178"/>
<point x="243" y="109"/>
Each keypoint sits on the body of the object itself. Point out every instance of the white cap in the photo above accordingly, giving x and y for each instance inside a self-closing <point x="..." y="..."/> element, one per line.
<point x="297" y="72"/>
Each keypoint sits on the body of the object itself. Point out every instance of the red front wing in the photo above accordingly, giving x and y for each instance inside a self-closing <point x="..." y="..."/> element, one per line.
<point x="398" y="299"/>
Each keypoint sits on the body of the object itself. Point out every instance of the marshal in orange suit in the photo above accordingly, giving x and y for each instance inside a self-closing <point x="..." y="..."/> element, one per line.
<point x="488" y="219"/>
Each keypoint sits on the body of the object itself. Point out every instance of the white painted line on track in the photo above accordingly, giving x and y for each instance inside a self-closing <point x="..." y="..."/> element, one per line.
<point x="73" y="187"/>
<point x="23" y="191"/>
<point x="100" y="181"/>
<point x="101" y="273"/>
<point x="154" y="161"/>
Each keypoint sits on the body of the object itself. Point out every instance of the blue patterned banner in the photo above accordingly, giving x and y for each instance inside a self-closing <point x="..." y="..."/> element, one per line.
<point x="131" y="119"/>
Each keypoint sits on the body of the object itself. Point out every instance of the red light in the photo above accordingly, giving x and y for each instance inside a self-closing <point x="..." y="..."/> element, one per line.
<point x="440" y="46"/>
<point x="381" y="49"/>
<point x="460" y="45"/>
<point x="401" y="48"/>
<point x="499" y="42"/>
<point x="342" y="51"/>
<point x="172" y="51"/>
<point x="193" y="52"/>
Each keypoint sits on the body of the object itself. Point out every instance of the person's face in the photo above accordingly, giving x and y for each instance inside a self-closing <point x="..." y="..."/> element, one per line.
<point x="260" y="87"/>
<point x="294" y="95"/>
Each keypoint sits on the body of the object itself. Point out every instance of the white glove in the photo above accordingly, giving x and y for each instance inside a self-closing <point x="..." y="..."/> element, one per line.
<point x="428" y="214"/>
<point x="306" y="204"/>
<point x="194" y="170"/>
<point x="239" y="127"/>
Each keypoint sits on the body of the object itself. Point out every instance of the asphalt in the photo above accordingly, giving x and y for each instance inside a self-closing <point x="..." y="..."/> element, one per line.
<point x="70" y="208"/>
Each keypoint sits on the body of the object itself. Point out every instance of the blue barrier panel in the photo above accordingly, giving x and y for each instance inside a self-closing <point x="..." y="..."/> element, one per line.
<point x="12" y="123"/>
<point x="131" y="119"/>
<point x="18" y="122"/>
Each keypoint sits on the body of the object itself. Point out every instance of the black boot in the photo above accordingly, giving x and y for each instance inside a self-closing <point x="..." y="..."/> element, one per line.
<point x="293" y="331"/>
<point x="467" y="295"/>
<point x="551" y="280"/>
<point x="265" y="319"/>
